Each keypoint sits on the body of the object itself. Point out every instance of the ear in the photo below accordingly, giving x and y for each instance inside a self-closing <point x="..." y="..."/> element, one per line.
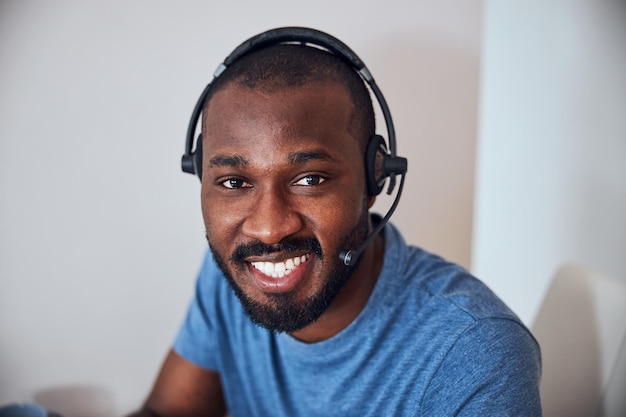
<point x="197" y="159"/>
<point x="370" y="201"/>
<point x="375" y="154"/>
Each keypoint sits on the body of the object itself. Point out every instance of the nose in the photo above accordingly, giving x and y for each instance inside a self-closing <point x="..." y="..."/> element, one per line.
<point x="272" y="217"/>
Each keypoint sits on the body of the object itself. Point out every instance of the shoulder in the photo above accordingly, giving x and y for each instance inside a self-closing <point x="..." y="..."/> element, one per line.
<point x="427" y="280"/>
<point x="212" y="306"/>
<point x="493" y="368"/>
<point x="484" y="360"/>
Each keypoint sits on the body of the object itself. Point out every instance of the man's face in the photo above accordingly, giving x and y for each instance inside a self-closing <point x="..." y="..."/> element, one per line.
<point x="282" y="195"/>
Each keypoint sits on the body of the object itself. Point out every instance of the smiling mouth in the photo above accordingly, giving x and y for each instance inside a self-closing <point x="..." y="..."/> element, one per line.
<point x="280" y="269"/>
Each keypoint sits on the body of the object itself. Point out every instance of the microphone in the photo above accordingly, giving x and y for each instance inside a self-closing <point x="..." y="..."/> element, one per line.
<point x="350" y="257"/>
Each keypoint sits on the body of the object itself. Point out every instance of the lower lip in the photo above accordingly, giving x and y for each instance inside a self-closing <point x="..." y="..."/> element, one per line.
<point x="279" y="285"/>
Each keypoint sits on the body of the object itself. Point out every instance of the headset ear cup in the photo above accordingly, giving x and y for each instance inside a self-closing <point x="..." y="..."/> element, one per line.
<point x="374" y="165"/>
<point x="197" y="157"/>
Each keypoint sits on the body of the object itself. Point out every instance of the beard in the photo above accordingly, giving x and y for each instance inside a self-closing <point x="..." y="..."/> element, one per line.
<point x="283" y="312"/>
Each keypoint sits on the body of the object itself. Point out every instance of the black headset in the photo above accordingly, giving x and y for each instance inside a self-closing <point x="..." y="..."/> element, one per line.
<point x="379" y="163"/>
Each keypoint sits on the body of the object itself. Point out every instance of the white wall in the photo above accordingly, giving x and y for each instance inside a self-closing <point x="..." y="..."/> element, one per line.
<point x="551" y="177"/>
<point x="100" y="233"/>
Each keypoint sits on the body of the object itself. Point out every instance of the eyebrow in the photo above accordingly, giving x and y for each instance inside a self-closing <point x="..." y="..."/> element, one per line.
<point x="306" y="156"/>
<point x="234" y="161"/>
<point x="295" y="158"/>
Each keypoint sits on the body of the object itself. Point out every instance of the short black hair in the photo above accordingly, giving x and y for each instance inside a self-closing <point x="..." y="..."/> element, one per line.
<point x="292" y="65"/>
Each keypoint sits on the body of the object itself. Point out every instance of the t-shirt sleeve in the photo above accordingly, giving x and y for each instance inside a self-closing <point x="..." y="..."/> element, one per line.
<point x="493" y="369"/>
<point x="197" y="338"/>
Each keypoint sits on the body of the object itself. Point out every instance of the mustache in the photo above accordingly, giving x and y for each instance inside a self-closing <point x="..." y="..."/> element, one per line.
<point x="302" y="244"/>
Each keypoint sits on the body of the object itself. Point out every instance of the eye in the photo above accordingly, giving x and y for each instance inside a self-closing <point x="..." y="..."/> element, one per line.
<point x="310" y="180"/>
<point x="235" y="183"/>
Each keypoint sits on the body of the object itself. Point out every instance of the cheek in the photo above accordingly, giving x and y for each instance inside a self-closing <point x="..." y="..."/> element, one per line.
<point x="220" y="223"/>
<point x="340" y="216"/>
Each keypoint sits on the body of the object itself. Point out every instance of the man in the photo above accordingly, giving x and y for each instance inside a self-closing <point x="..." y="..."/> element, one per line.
<point x="280" y="326"/>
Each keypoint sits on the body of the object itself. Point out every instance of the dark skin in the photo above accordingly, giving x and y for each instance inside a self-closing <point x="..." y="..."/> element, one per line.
<point x="277" y="164"/>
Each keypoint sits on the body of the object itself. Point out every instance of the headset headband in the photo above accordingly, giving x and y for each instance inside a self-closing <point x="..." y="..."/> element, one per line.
<point x="305" y="36"/>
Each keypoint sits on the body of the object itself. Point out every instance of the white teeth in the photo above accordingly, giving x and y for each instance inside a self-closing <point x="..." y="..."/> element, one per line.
<point x="280" y="269"/>
<point x="267" y="268"/>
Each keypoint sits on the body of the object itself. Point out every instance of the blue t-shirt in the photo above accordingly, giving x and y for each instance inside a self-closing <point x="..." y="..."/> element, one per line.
<point x="431" y="341"/>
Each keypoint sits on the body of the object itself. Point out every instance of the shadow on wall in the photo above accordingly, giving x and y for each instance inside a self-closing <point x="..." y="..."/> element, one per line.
<point x="77" y="401"/>
<point x="432" y="90"/>
<point x="581" y="330"/>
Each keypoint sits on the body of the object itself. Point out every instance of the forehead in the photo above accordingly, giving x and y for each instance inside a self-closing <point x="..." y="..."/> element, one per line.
<point x="238" y="118"/>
